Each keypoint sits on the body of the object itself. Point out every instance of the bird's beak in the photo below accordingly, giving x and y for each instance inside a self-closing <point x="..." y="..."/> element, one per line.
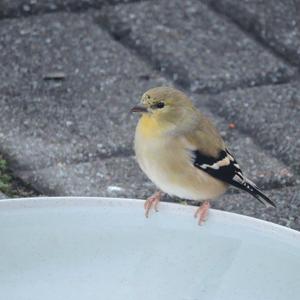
<point x="139" y="108"/>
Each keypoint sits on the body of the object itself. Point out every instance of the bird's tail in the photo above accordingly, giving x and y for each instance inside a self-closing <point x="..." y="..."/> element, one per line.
<point x="250" y="187"/>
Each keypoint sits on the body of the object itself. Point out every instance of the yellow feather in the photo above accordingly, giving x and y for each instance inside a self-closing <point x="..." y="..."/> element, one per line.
<point x="149" y="127"/>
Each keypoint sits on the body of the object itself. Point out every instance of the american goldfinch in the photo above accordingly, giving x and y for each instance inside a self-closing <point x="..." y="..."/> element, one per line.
<point x="183" y="154"/>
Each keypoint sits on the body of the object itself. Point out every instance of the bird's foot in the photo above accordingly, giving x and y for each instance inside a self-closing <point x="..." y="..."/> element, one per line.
<point x="152" y="202"/>
<point x="202" y="212"/>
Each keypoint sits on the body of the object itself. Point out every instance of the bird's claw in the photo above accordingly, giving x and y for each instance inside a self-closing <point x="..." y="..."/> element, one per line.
<point x="202" y="212"/>
<point x="152" y="202"/>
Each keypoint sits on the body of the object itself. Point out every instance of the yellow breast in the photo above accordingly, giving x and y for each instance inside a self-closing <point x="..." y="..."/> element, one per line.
<point x="148" y="127"/>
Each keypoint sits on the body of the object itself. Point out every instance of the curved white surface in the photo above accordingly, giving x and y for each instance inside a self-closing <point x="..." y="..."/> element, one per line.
<point x="98" y="248"/>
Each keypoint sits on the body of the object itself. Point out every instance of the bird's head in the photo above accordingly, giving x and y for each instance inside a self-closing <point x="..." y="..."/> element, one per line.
<point x="166" y="105"/>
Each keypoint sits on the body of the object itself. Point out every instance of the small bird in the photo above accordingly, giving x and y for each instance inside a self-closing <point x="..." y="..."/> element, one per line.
<point x="183" y="154"/>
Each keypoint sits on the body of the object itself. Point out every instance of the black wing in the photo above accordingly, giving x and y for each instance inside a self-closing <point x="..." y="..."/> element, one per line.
<point x="225" y="168"/>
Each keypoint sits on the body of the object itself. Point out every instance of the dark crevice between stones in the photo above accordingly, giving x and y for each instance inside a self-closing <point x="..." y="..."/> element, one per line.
<point x="13" y="186"/>
<point x="28" y="8"/>
<point x="251" y="29"/>
<point x="121" y="34"/>
<point x="243" y="84"/>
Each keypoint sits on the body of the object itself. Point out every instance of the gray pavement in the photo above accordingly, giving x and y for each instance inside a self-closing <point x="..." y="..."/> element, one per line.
<point x="194" y="45"/>
<point x="275" y="23"/>
<point x="82" y="117"/>
<point x="71" y="70"/>
<point x="276" y="123"/>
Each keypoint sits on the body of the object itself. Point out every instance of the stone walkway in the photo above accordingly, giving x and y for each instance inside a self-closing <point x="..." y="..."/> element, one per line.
<point x="71" y="70"/>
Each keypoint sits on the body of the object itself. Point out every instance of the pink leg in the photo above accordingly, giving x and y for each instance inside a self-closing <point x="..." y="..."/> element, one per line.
<point x="152" y="202"/>
<point x="202" y="212"/>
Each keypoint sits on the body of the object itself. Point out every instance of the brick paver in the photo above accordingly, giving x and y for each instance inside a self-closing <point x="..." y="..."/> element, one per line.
<point x="276" y="23"/>
<point x="83" y="117"/>
<point x="197" y="48"/>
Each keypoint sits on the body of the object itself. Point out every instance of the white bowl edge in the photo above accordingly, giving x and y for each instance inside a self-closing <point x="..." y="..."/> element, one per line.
<point x="74" y="201"/>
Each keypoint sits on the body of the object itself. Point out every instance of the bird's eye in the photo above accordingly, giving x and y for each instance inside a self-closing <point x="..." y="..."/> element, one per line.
<point x="160" y="105"/>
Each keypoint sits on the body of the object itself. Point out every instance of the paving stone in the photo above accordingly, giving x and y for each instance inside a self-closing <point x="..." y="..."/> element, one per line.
<point x="286" y="213"/>
<point x="83" y="114"/>
<point x="270" y="114"/>
<point x="113" y="177"/>
<point x="195" y="46"/>
<point x="15" y="8"/>
<point x="276" y="22"/>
